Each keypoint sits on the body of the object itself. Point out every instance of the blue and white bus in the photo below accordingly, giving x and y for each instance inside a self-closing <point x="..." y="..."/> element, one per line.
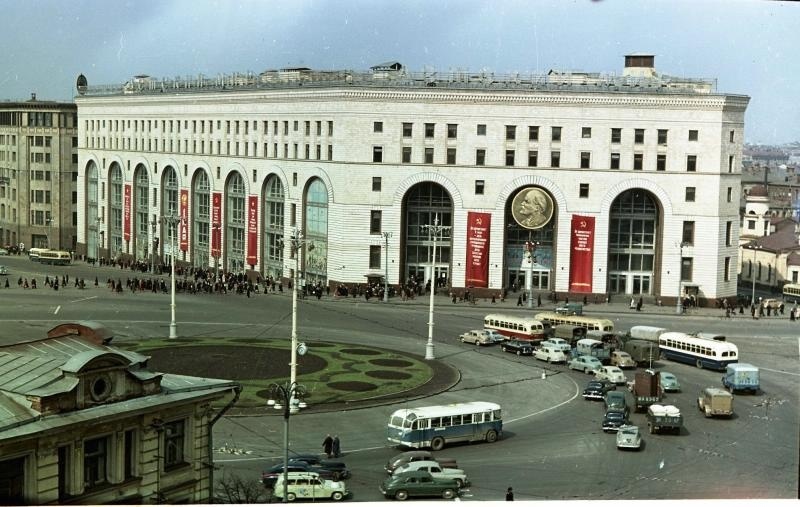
<point x="701" y="352"/>
<point x="438" y="425"/>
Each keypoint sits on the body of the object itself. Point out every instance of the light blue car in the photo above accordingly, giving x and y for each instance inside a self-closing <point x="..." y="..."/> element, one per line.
<point x="586" y="364"/>
<point x="669" y="382"/>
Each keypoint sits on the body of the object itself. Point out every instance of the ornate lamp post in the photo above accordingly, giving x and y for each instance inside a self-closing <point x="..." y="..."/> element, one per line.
<point x="153" y="225"/>
<point x="433" y="229"/>
<point x="530" y="252"/>
<point x="755" y="248"/>
<point x="386" y="236"/>
<point x="287" y="397"/>
<point x="295" y="243"/>
<point x="679" y="302"/>
<point x="173" y="221"/>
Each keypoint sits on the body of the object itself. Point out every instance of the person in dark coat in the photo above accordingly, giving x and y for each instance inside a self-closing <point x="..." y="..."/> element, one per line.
<point x="327" y="445"/>
<point x="510" y="494"/>
<point x="336" y="449"/>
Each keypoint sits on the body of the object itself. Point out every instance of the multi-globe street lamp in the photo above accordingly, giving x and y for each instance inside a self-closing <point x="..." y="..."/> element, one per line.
<point x="434" y="230"/>
<point x="287" y="397"/>
<point x="172" y="221"/>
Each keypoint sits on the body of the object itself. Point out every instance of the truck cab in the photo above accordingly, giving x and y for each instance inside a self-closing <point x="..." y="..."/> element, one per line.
<point x="714" y="401"/>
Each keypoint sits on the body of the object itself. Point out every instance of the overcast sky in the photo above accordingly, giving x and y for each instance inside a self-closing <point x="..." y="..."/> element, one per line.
<point x="749" y="46"/>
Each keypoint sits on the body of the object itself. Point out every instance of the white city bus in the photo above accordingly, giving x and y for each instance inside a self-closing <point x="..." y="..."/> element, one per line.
<point x="791" y="292"/>
<point x="57" y="257"/>
<point x="438" y="425"/>
<point x="590" y="323"/>
<point x="512" y="326"/>
<point x="701" y="352"/>
<point x="33" y="253"/>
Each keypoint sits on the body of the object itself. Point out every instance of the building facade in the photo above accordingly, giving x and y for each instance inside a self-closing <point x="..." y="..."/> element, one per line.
<point x="638" y="175"/>
<point x="86" y="423"/>
<point x="38" y="174"/>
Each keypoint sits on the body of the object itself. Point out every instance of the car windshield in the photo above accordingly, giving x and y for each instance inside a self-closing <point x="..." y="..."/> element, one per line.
<point x="613" y="416"/>
<point x="629" y="431"/>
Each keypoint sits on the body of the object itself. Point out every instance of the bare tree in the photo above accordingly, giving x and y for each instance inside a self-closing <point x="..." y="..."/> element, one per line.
<point x="234" y="489"/>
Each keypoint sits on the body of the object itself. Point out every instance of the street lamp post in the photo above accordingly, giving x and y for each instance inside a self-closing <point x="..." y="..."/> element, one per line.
<point x="173" y="221"/>
<point x="215" y="228"/>
<point x="435" y="229"/>
<point x="97" y="221"/>
<point x="755" y="249"/>
<point x="386" y="236"/>
<point x="530" y="248"/>
<point x="287" y="397"/>
<point x="153" y="225"/>
<point x="679" y="302"/>
<point x="295" y="242"/>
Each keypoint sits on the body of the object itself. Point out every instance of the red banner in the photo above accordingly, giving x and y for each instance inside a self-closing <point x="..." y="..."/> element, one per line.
<point x="581" y="254"/>
<point x="184" y="230"/>
<point x="478" y="229"/>
<point x="216" y="224"/>
<point x="126" y="213"/>
<point x="252" y="231"/>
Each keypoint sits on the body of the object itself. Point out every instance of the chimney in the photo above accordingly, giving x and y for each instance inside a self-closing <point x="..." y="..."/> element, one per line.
<point x="640" y="65"/>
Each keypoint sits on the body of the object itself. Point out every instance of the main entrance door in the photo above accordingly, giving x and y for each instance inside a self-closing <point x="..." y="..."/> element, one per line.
<point x="633" y="229"/>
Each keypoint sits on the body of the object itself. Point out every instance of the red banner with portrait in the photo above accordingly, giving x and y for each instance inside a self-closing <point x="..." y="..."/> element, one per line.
<point x="478" y="229"/>
<point x="126" y="213"/>
<point x="216" y="224"/>
<point x="252" y="230"/>
<point x="581" y="254"/>
<point x="184" y="230"/>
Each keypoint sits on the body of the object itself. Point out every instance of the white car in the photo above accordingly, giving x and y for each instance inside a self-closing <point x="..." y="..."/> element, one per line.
<point x="3" y="270"/>
<point x="302" y="485"/>
<point x="477" y="337"/>
<point x="557" y="343"/>
<point x="495" y="336"/>
<point x="436" y="470"/>
<point x="628" y="437"/>
<point x="550" y="355"/>
<point x="586" y="364"/>
<point x="612" y="374"/>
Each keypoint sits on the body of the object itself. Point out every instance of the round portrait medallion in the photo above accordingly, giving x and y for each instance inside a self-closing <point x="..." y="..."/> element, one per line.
<point x="532" y="208"/>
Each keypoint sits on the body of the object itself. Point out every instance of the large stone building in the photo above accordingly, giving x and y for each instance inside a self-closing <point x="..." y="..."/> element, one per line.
<point x="86" y="423"/>
<point x="637" y="177"/>
<point x="38" y="174"/>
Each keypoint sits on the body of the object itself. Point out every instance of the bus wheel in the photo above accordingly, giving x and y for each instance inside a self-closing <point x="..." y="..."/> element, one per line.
<point x="491" y="436"/>
<point x="437" y="443"/>
<point x="699" y="364"/>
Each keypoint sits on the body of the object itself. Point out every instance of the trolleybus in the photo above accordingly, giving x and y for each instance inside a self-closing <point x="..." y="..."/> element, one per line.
<point x="512" y="326"/>
<point x="438" y="425"/>
<point x="590" y="323"/>
<point x="701" y="352"/>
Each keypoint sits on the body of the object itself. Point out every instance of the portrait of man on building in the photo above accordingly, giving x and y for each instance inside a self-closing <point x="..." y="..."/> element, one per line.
<point x="532" y="208"/>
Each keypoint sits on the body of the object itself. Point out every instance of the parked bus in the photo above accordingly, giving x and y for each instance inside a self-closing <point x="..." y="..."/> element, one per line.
<point x="438" y="425"/>
<point x="522" y="328"/>
<point x="700" y="352"/>
<point x="57" y="257"/>
<point x="791" y="292"/>
<point x="33" y="253"/>
<point x="590" y="323"/>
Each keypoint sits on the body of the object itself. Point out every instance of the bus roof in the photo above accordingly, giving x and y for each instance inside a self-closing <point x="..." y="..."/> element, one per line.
<point x="443" y="410"/>
<point x="713" y="344"/>
<point x="501" y="316"/>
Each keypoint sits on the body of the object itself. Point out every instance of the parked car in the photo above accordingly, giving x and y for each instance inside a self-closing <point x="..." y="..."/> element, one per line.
<point x="612" y="374"/>
<point x="586" y="364"/>
<point x="3" y="270"/>
<point x="517" y="347"/>
<point x="597" y="389"/>
<point x="3" y="251"/>
<point x="305" y="485"/>
<point x="669" y="382"/>
<point x="557" y="343"/>
<point x="436" y="470"/>
<point x="418" y="483"/>
<point x="615" y="400"/>
<point x="772" y="303"/>
<point x="628" y="437"/>
<point x="622" y="359"/>
<point x="614" y="420"/>
<point x="412" y="456"/>
<point x="550" y="354"/>
<point x="336" y="468"/>
<point x="269" y="477"/>
<point x="495" y="336"/>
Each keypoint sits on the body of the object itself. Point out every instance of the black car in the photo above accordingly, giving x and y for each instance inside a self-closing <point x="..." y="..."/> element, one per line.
<point x="337" y="468"/>
<point x="597" y="389"/>
<point x="613" y="420"/>
<point x="517" y="347"/>
<point x="269" y="477"/>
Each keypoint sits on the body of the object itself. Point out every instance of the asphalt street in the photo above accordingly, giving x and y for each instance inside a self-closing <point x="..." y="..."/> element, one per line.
<point x="552" y="446"/>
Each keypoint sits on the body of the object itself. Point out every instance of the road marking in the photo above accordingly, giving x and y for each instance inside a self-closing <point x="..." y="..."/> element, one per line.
<point x="234" y="460"/>
<point x="84" y="299"/>
<point x="57" y="309"/>
<point x="781" y="371"/>
<point x="577" y="393"/>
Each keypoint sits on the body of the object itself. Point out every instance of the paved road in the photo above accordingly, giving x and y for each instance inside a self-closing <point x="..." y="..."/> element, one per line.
<point x="552" y="447"/>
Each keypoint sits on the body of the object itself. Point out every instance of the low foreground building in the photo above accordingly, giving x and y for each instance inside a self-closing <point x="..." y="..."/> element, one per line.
<point x="82" y="422"/>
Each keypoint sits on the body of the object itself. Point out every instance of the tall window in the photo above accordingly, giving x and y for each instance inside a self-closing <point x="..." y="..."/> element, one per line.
<point x="633" y="230"/>
<point x="169" y="207"/>
<point x="374" y="257"/>
<point x="638" y="136"/>
<point x="691" y="163"/>
<point x="174" y="443"/>
<point x="585" y="159"/>
<point x="511" y="132"/>
<point x="92" y="212"/>
<point x="423" y="203"/>
<point x="686" y="269"/>
<point x="95" y="462"/>
<point x="141" y="197"/>
<point x="480" y="157"/>
<point x="556" y="134"/>
<point x="616" y="135"/>
<point x="273" y="227"/>
<point x="201" y="218"/>
<point x="235" y="215"/>
<point x="115" y="226"/>
<point x="688" y="232"/>
<point x="407" y="129"/>
<point x="375" y="221"/>
<point x="316" y="232"/>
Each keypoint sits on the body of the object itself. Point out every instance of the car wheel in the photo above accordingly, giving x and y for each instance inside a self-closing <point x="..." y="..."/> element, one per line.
<point x="519" y="352"/>
<point x="448" y="494"/>
<point x="699" y="364"/>
<point x="437" y="443"/>
<point x="291" y="497"/>
<point x="503" y="349"/>
<point x="337" y="495"/>
<point x="491" y="436"/>
<point x="401" y="495"/>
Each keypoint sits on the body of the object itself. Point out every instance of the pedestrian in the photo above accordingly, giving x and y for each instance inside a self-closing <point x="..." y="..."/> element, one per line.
<point x="6" y="283"/>
<point x="633" y="303"/>
<point x="519" y="300"/>
<point x="639" y="305"/>
<point x="327" y="445"/>
<point x="539" y="300"/>
<point x="336" y="449"/>
<point x="510" y="494"/>
<point x="493" y="299"/>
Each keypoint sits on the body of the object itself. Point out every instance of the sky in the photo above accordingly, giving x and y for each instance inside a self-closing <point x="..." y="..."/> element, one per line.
<point x="746" y="45"/>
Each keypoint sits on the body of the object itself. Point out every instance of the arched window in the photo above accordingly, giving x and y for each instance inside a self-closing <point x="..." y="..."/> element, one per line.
<point x="515" y="260"/>
<point x="115" y="211"/>
<point x="235" y="215"/>
<point x="633" y="229"/>
<point x="424" y="204"/>
<point x="316" y="233"/>
<point x="201" y="218"/>
<point x="141" y="198"/>
<point x="169" y="208"/>
<point x="273" y="227"/>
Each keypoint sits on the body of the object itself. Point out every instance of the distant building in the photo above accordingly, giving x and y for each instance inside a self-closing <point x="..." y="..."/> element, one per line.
<point x="647" y="165"/>
<point x="38" y="174"/>
<point x="82" y="422"/>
